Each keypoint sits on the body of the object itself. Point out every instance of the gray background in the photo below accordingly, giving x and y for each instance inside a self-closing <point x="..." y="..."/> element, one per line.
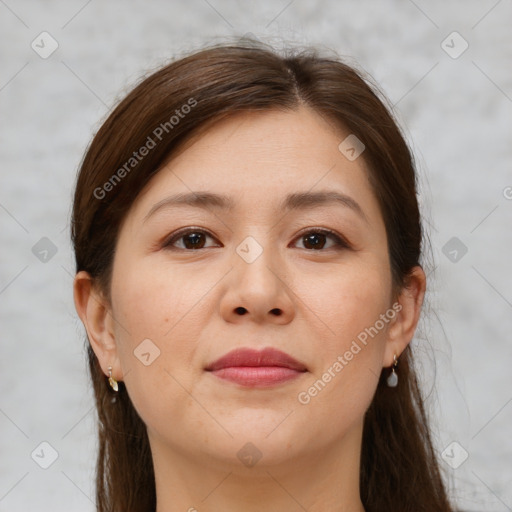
<point x="456" y="113"/>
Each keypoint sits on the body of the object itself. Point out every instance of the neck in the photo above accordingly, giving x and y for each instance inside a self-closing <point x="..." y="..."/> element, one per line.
<point x="323" y="481"/>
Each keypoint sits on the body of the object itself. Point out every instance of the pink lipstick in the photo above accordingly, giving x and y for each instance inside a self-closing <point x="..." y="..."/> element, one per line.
<point x="257" y="368"/>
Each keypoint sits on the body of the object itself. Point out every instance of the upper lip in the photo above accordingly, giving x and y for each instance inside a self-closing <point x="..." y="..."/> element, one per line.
<point x="251" y="357"/>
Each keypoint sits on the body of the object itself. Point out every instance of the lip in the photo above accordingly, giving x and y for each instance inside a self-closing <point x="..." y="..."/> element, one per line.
<point x="256" y="368"/>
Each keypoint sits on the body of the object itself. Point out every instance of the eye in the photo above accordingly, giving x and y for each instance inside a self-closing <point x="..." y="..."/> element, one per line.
<point x="315" y="239"/>
<point x="193" y="239"/>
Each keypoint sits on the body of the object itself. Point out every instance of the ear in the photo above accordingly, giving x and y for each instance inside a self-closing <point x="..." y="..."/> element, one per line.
<point x="95" y="312"/>
<point x="408" y="307"/>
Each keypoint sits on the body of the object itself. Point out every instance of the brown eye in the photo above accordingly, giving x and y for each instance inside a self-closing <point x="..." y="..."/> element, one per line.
<point x="314" y="239"/>
<point x="318" y="238"/>
<point x="192" y="239"/>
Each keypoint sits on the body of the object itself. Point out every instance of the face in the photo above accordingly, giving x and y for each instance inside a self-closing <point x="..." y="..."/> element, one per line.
<point x="308" y="276"/>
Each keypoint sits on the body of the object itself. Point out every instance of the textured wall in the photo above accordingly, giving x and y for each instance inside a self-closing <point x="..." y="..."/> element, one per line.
<point x="456" y="106"/>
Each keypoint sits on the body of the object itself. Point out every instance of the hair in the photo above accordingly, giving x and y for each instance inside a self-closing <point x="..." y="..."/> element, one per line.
<point x="399" y="470"/>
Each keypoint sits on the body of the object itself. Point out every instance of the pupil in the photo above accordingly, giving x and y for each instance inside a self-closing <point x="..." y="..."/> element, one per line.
<point x="314" y="240"/>
<point x="194" y="239"/>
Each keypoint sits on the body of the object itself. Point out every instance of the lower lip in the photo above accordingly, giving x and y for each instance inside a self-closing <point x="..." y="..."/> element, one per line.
<point x="257" y="376"/>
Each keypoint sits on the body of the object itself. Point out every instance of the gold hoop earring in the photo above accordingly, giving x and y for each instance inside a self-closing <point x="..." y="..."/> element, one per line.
<point x="392" y="379"/>
<point x="111" y="380"/>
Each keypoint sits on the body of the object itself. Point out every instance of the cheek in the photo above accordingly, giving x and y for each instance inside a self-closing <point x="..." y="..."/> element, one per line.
<point x="154" y="301"/>
<point x="351" y="311"/>
<point x="159" y="316"/>
<point x="349" y="301"/>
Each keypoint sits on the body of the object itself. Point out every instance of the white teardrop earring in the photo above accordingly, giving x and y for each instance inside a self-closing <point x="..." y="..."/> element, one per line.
<point x="392" y="379"/>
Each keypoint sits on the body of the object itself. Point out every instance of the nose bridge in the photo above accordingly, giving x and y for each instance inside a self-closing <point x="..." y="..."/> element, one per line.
<point x="250" y="249"/>
<point x="256" y="258"/>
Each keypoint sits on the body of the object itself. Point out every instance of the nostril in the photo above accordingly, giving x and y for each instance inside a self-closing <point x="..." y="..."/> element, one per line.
<point x="276" y="312"/>
<point x="240" y="310"/>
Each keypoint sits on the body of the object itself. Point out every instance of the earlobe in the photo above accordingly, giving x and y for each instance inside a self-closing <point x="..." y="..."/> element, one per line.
<point x="94" y="312"/>
<point x="401" y="332"/>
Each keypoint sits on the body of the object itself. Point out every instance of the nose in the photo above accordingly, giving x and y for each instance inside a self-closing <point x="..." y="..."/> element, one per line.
<point x="258" y="289"/>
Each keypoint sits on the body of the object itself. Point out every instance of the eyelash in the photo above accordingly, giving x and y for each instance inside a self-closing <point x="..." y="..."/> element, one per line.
<point x="339" y="242"/>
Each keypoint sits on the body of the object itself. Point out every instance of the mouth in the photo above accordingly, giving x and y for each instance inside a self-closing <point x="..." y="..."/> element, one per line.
<point x="256" y="368"/>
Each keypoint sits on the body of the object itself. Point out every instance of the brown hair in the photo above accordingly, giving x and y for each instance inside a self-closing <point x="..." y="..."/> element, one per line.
<point x="399" y="469"/>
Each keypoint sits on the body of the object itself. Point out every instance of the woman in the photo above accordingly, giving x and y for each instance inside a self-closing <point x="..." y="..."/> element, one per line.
<point x="248" y="242"/>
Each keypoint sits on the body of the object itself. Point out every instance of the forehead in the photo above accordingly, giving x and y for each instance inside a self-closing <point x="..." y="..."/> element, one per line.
<point x="259" y="158"/>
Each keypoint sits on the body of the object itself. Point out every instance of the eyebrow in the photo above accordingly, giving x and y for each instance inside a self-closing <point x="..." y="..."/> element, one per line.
<point x="294" y="201"/>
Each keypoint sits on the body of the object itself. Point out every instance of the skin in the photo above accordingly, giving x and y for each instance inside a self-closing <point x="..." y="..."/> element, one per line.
<point x="186" y="302"/>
